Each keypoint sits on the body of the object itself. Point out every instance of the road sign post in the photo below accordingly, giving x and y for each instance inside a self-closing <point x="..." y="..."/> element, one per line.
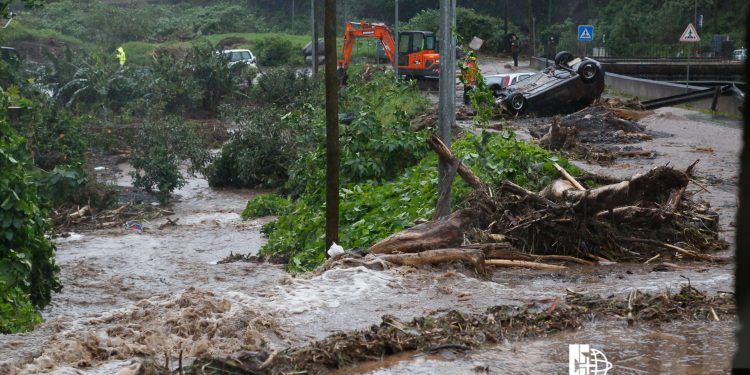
<point x="690" y="35"/>
<point x="585" y="34"/>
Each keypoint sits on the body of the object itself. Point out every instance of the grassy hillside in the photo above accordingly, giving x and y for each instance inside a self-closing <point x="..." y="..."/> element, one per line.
<point x="143" y="26"/>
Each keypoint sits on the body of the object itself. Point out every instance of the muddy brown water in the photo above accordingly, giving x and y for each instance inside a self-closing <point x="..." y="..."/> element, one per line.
<point x="158" y="292"/>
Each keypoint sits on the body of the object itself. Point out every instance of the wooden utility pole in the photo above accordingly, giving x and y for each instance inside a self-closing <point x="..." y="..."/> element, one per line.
<point x="447" y="97"/>
<point x="332" y="126"/>
<point x="314" y="22"/>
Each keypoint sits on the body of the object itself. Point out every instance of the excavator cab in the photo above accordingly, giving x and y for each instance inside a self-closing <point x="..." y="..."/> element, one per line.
<point x="417" y="54"/>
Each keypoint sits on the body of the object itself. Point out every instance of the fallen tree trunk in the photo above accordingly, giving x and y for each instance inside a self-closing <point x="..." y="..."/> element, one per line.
<point x="436" y="234"/>
<point x="524" y="264"/>
<point x="650" y="186"/>
<point x="473" y="256"/>
<point x="564" y="258"/>
<point x="499" y="250"/>
<point x="80" y="213"/>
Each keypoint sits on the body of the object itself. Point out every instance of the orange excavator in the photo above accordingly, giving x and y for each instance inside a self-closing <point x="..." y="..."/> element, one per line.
<point x="417" y="55"/>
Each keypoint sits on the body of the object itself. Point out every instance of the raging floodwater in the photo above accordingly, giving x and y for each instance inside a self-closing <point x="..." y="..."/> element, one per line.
<point x="157" y="293"/>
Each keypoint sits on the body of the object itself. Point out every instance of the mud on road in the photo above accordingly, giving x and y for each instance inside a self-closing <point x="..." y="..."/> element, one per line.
<point x="157" y="293"/>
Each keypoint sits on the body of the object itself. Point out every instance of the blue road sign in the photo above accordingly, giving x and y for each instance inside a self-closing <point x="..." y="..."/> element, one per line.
<point x="586" y="32"/>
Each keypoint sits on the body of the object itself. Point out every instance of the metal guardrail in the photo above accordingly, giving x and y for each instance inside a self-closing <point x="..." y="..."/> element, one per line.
<point x="714" y="92"/>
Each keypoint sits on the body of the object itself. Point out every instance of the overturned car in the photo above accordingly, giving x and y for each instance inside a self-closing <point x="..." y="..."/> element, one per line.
<point x="570" y="85"/>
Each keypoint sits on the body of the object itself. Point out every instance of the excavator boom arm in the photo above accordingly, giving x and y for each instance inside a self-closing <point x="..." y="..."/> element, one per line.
<point x="367" y="30"/>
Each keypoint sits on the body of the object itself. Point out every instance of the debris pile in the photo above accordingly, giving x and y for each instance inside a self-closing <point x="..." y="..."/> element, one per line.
<point x="88" y="217"/>
<point x="631" y="220"/>
<point x="634" y="219"/>
<point x="592" y="132"/>
<point x="463" y="331"/>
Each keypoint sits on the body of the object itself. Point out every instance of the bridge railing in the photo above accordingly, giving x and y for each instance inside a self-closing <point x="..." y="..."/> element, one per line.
<point x="640" y="53"/>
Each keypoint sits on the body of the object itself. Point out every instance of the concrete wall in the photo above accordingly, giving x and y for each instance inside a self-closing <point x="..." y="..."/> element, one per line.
<point x="646" y="89"/>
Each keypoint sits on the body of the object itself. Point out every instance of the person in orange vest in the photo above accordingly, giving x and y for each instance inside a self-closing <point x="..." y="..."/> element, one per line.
<point x="469" y="75"/>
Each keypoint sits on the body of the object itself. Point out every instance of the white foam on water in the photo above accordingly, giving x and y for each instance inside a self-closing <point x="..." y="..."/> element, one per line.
<point x="209" y="218"/>
<point x="72" y="237"/>
<point x="329" y="289"/>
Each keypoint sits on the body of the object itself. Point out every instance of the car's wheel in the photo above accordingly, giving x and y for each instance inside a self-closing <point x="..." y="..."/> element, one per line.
<point x="495" y="90"/>
<point x="515" y="103"/>
<point x="563" y="57"/>
<point x="589" y="71"/>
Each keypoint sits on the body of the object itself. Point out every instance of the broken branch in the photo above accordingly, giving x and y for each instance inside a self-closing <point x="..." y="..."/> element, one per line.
<point x="473" y="256"/>
<point x="524" y="264"/>
<point x="445" y="153"/>
<point x="678" y="249"/>
<point x="568" y="177"/>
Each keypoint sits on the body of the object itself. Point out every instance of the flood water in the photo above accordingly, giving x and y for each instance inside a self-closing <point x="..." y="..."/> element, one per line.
<point x="676" y="348"/>
<point x="156" y="293"/>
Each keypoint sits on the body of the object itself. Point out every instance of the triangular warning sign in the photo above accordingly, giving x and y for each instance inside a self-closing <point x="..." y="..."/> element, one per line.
<point x="690" y="35"/>
<point x="585" y="34"/>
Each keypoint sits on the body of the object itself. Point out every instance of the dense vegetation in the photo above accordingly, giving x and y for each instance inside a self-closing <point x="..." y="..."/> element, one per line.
<point x="278" y="28"/>
<point x="28" y="274"/>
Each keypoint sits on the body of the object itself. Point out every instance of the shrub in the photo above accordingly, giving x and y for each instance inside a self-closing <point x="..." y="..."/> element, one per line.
<point x="28" y="273"/>
<point x="161" y="147"/>
<point x="212" y="73"/>
<point x="284" y="87"/>
<point x="94" y="83"/>
<point x="63" y="183"/>
<point x="274" y="51"/>
<point x="265" y="205"/>
<point x="262" y="149"/>
<point x="172" y="88"/>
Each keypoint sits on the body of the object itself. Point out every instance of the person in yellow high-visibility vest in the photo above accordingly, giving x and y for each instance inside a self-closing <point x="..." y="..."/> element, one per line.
<point x="469" y="73"/>
<point x="121" y="55"/>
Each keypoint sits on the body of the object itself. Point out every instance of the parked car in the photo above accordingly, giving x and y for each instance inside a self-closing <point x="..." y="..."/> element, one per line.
<point x="740" y="54"/>
<point x="568" y="86"/>
<point x="240" y="56"/>
<point x="497" y="82"/>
